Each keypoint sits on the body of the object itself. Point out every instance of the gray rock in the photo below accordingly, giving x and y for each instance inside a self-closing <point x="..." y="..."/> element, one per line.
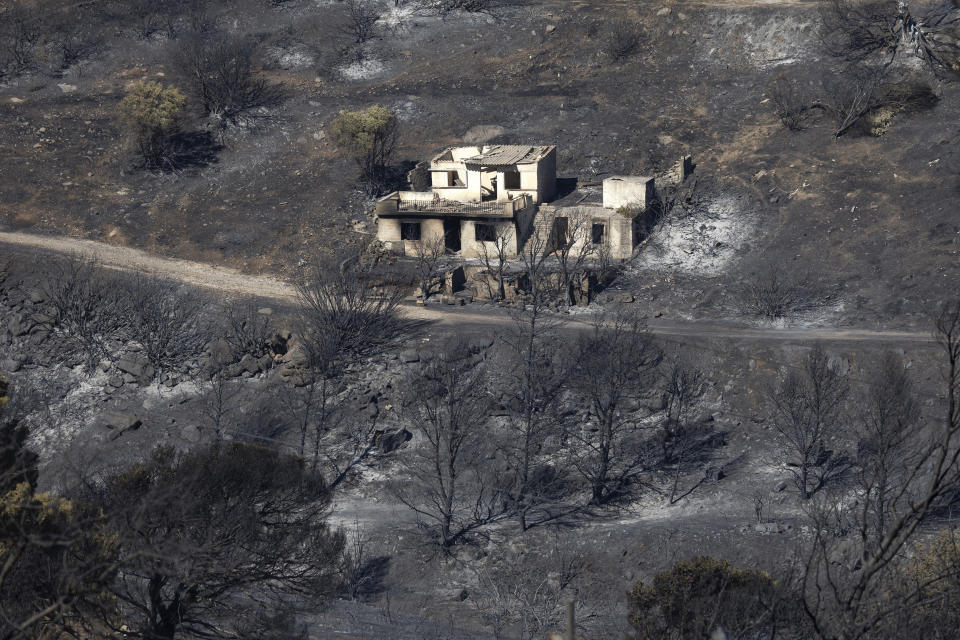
<point x="42" y="318"/>
<point x="221" y="352"/>
<point x="138" y="368"/>
<point x="781" y="486"/>
<point x="249" y="364"/>
<point x="390" y="441"/>
<point x="120" y="420"/>
<point x="714" y="474"/>
<point x="36" y="296"/>
<point x="624" y="298"/>
<point x="265" y="311"/>
<point x="409" y="355"/>
<point x="264" y="363"/>
<point x="233" y="370"/>
<point x="16" y="326"/>
<point x="191" y="433"/>
<point x="10" y="365"/>
<point x="115" y="381"/>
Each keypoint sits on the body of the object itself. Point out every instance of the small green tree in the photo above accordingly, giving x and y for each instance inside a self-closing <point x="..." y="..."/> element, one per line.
<point x="153" y="113"/>
<point x="57" y="555"/>
<point x="370" y="135"/>
<point x="692" y="598"/>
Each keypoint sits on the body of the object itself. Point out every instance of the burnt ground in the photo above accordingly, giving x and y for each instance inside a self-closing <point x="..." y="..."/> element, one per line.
<point x="420" y="593"/>
<point x="870" y="218"/>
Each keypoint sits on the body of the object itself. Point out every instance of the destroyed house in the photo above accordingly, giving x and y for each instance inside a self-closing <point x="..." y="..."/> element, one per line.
<point x="489" y="199"/>
<point x="479" y="196"/>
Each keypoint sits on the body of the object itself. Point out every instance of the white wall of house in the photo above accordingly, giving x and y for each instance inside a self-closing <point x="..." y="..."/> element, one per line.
<point x="470" y="247"/>
<point x="627" y="191"/>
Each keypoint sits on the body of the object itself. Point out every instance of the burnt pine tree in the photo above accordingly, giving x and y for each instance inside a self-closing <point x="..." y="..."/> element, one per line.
<point x="211" y="537"/>
<point x="617" y="364"/>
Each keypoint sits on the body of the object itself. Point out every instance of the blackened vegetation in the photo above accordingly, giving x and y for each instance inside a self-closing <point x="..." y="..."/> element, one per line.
<point x="773" y="293"/>
<point x="540" y="427"/>
<point x="201" y="534"/>
<point x="220" y="73"/>
<point x="790" y="101"/>
<point x="860" y="32"/>
<point x="868" y="570"/>
<point x="623" y="39"/>
<point x="537" y="427"/>
<point x="91" y="311"/>
<point x="454" y="491"/>
<point x="808" y="413"/>
<point x="874" y="45"/>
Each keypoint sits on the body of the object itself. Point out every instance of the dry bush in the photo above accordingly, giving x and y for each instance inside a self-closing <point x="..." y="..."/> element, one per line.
<point x="21" y="32"/>
<point x="622" y="39"/>
<point x="789" y="101"/>
<point x="370" y="135"/>
<point x="880" y="31"/>
<point x="221" y="75"/>
<point x="850" y="96"/>
<point x="774" y="295"/>
<point x="247" y="331"/>
<point x="908" y="96"/>
<point x="167" y="320"/>
<point x="361" y="21"/>
<point x="447" y="6"/>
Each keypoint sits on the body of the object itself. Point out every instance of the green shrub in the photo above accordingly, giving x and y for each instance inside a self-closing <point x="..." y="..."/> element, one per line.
<point x="370" y="136"/>
<point x="692" y="598"/>
<point x="154" y="114"/>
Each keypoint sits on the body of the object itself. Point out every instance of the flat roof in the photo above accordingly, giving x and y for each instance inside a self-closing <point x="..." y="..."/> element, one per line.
<point x="504" y="155"/>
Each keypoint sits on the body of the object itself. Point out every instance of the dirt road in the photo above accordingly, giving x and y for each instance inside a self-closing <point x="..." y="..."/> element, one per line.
<point x="231" y="282"/>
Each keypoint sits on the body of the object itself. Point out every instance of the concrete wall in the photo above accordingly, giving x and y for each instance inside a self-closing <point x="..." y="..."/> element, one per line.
<point x="471" y="248"/>
<point x="619" y="237"/>
<point x="388" y="232"/>
<point x="547" y="177"/>
<point x="627" y="191"/>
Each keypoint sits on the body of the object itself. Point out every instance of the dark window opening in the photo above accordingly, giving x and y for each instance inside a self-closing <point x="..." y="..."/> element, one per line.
<point x="558" y="235"/>
<point x="409" y="230"/>
<point x="486" y="233"/>
<point x="511" y="180"/>
<point x="451" y="235"/>
<point x="597" y="233"/>
<point x="453" y="179"/>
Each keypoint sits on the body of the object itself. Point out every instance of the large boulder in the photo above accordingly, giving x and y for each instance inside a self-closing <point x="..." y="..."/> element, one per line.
<point x="250" y="364"/>
<point x="390" y="441"/>
<point x="119" y="422"/>
<point x="138" y="367"/>
<point x="221" y="353"/>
